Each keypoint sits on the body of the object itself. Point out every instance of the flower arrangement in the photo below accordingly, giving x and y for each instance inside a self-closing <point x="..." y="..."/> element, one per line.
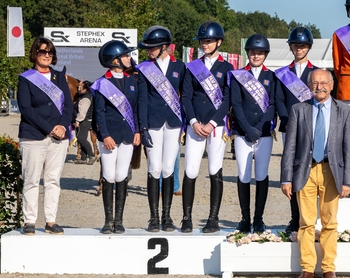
<point x="267" y="236"/>
<point x="10" y="184"/>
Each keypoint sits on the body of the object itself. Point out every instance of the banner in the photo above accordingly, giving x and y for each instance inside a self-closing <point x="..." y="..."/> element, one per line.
<point x="15" y="38"/>
<point x="187" y="54"/>
<point x="171" y="49"/>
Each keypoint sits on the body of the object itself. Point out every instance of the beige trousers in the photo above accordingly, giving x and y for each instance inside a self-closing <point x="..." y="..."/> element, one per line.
<point x="320" y="183"/>
<point x="42" y="156"/>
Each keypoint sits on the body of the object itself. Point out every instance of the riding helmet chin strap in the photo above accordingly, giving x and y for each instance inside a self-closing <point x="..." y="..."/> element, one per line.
<point x="160" y="52"/>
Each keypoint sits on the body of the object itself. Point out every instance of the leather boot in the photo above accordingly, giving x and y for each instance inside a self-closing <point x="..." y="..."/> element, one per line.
<point x="120" y="197"/>
<point x="107" y="196"/>
<point x="216" y="188"/>
<point x="244" y="225"/>
<point x="153" y="201"/>
<point x="167" y="198"/>
<point x="188" y="186"/>
<point x="262" y="188"/>
<point x="293" y="225"/>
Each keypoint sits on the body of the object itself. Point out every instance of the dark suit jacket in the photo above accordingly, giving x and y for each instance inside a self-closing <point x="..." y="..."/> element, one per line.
<point x="109" y="120"/>
<point x="39" y="114"/>
<point x="285" y="99"/>
<point x="153" y="110"/>
<point x="297" y="154"/>
<point x="196" y="102"/>
<point x="246" y="111"/>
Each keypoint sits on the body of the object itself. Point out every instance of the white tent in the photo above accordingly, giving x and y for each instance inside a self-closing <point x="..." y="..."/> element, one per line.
<point x="320" y="55"/>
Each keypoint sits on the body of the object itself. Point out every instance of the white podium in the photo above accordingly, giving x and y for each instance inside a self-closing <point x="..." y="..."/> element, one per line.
<point x="87" y="251"/>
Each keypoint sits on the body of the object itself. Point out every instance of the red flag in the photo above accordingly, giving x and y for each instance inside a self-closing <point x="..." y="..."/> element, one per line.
<point x="233" y="59"/>
<point x="187" y="54"/>
<point x="15" y="38"/>
<point x="172" y="49"/>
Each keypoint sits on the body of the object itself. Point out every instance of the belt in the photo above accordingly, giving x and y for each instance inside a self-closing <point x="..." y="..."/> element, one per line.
<point x="325" y="160"/>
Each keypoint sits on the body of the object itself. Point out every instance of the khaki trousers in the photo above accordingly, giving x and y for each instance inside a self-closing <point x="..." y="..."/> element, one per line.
<point x="320" y="184"/>
<point x="42" y="156"/>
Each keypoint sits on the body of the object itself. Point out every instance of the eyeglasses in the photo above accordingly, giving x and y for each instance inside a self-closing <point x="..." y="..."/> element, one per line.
<point x="43" y="52"/>
<point x="321" y="84"/>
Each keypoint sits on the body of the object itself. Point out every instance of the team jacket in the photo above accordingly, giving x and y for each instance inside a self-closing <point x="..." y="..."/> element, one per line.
<point x="109" y="120"/>
<point x="153" y="110"/>
<point x="39" y="114"/>
<point x="285" y="99"/>
<point x="197" y="103"/>
<point x="246" y="111"/>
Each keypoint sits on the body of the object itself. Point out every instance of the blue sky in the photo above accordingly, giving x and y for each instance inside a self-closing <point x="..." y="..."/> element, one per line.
<point x="327" y="15"/>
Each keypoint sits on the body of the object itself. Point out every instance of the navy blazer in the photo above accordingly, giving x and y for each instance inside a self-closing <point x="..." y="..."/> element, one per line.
<point x="39" y="115"/>
<point x="153" y="110"/>
<point x="109" y="120"/>
<point x="195" y="100"/>
<point x="247" y="112"/>
<point x="285" y="99"/>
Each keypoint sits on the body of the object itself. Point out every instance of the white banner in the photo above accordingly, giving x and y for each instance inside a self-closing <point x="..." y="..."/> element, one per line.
<point x="90" y="36"/>
<point x="15" y="38"/>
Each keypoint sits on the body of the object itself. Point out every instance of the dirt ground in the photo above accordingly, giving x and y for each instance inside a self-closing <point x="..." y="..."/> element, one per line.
<point x="80" y="207"/>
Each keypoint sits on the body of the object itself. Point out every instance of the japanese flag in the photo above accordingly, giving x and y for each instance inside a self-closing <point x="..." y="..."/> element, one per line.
<point x="15" y="38"/>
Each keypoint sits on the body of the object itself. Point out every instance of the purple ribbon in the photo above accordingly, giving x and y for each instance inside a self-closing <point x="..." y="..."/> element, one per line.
<point x="252" y="85"/>
<point x="207" y="81"/>
<point x="162" y="86"/>
<point x="117" y="98"/>
<point x="343" y="34"/>
<point x="50" y="89"/>
<point x="294" y="84"/>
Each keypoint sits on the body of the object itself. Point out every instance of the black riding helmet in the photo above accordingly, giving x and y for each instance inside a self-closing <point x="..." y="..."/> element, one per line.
<point x="112" y="50"/>
<point x="155" y="36"/>
<point x="300" y="35"/>
<point x="257" y="42"/>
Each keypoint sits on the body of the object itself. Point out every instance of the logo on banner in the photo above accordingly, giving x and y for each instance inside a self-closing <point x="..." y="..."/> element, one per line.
<point x="58" y="36"/>
<point x="121" y="36"/>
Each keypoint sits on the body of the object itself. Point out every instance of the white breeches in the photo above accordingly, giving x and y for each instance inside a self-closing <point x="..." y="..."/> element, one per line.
<point x="116" y="162"/>
<point x="195" y="146"/>
<point x="244" y="156"/>
<point x="161" y="157"/>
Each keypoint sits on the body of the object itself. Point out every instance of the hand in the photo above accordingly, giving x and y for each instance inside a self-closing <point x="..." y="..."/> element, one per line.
<point x="137" y="139"/>
<point x="287" y="190"/>
<point x="76" y="124"/>
<point x="345" y="191"/>
<point x="109" y="143"/>
<point x="253" y="134"/>
<point x="207" y="129"/>
<point x="146" y="139"/>
<point x="58" y="132"/>
<point x="198" y="129"/>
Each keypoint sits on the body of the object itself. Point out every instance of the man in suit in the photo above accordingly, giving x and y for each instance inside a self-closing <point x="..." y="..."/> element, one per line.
<point x="312" y="173"/>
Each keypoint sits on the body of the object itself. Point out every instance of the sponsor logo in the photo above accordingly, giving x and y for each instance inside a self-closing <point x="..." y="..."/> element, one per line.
<point x="58" y="36"/>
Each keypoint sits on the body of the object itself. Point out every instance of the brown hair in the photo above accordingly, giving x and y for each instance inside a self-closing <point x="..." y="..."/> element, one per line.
<point x="33" y="53"/>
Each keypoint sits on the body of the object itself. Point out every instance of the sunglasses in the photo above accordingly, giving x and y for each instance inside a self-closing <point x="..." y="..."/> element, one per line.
<point x="43" y="52"/>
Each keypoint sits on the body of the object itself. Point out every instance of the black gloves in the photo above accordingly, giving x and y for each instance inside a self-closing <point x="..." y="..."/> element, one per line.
<point x="252" y="134"/>
<point x="146" y="138"/>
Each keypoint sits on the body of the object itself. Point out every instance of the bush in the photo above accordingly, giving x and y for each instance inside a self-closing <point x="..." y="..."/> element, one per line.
<point x="11" y="185"/>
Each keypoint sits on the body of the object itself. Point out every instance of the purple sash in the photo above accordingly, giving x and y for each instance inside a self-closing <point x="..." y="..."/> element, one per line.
<point x="207" y="81"/>
<point x="294" y="84"/>
<point x="253" y="86"/>
<point x="50" y="89"/>
<point x="343" y="34"/>
<point x="117" y="98"/>
<point x="163" y="86"/>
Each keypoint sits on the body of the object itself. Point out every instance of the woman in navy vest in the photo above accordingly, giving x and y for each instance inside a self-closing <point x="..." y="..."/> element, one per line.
<point x="252" y="92"/>
<point x="46" y="113"/>
<point x="160" y="120"/>
<point x="115" y="102"/>
<point x="206" y="108"/>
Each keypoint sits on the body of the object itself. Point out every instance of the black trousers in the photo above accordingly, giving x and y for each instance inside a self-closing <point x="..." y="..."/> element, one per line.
<point x="82" y="136"/>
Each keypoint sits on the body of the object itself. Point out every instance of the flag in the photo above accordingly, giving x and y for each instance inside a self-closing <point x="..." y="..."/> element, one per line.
<point x="233" y="60"/>
<point x="224" y="55"/>
<point x="187" y="54"/>
<point x="171" y="49"/>
<point x="15" y="38"/>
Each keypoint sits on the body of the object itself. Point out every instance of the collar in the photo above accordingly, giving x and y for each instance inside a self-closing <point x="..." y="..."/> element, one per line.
<point x="220" y="58"/>
<point x="248" y="67"/>
<point x="327" y="103"/>
<point x="172" y="59"/>
<point x="109" y="74"/>
<point x="309" y="65"/>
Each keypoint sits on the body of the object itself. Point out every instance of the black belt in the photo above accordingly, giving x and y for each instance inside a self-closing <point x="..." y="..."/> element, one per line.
<point x="325" y="160"/>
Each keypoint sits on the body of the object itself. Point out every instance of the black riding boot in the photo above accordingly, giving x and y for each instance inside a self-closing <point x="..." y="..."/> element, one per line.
<point x="120" y="197"/>
<point x="188" y="186"/>
<point x="244" y="225"/>
<point x="262" y="188"/>
<point x="107" y="196"/>
<point x="216" y="188"/>
<point x="167" y="198"/>
<point x="293" y="225"/>
<point x="153" y="201"/>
